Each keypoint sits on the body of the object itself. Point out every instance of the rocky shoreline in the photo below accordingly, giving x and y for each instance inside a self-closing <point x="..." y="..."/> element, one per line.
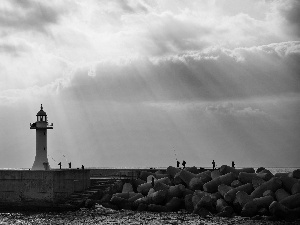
<point x="227" y="192"/>
<point x="102" y="215"/>
<point x="182" y="196"/>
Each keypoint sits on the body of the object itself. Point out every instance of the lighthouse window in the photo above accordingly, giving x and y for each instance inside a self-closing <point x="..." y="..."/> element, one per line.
<point x="44" y="133"/>
<point x="44" y="148"/>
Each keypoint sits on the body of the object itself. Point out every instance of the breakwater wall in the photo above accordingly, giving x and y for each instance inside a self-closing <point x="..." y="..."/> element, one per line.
<point x="119" y="172"/>
<point x="224" y="192"/>
<point x="128" y="172"/>
<point x="40" y="188"/>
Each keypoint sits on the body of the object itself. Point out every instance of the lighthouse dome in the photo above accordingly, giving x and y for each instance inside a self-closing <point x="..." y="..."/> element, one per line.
<point x="41" y="112"/>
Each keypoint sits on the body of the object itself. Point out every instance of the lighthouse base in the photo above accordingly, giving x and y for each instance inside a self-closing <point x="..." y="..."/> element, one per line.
<point x="40" y="164"/>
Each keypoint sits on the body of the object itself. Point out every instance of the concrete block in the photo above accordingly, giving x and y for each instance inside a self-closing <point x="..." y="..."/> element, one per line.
<point x="292" y="201"/>
<point x="227" y="169"/>
<point x="127" y="187"/>
<point x="236" y="183"/>
<point x="145" y="174"/>
<point x="205" y="202"/>
<point x="273" y="184"/>
<point x="186" y="176"/>
<point x="212" y="186"/>
<point x="158" y="186"/>
<point x="205" y="176"/>
<point x="157" y="197"/>
<point x="144" y="188"/>
<point x="215" y="174"/>
<point x="281" y="194"/>
<point x="243" y="198"/>
<point x="269" y="193"/>
<point x="192" y="169"/>
<point x="296" y="174"/>
<point x="176" y="191"/>
<point x="296" y="188"/>
<point x="150" y="178"/>
<point x="172" y="171"/>
<point x="278" y="210"/>
<point x="257" y="181"/>
<point x="196" y="184"/>
<point x="223" y="189"/>
<point x="231" y="194"/>
<point x="135" y="197"/>
<point x="188" y="203"/>
<point x="288" y="183"/>
<point x="174" y="204"/>
<point x="223" y="209"/>
<point x="251" y="208"/>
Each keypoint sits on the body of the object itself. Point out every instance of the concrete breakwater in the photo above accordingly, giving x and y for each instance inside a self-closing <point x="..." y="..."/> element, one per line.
<point x="39" y="188"/>
<point x="225" y="192"/>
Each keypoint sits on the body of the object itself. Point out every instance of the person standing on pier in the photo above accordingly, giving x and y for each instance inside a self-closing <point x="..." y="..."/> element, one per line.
<point x="214" y="164"/>
<point x="183" y="164"/>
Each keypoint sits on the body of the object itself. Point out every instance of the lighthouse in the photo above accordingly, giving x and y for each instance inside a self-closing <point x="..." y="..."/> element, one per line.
<point x="41" y="126"/>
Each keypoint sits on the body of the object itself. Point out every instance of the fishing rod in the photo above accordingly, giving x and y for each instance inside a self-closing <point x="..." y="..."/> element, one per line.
<point x="175" y="154"/>
<point x="177" y="162"/>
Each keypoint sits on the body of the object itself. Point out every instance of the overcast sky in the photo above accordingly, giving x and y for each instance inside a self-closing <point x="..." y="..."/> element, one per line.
<point x="141" y="83"/>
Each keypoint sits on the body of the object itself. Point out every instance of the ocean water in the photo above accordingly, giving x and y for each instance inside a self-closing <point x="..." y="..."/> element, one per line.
<point x="275" y="170"/>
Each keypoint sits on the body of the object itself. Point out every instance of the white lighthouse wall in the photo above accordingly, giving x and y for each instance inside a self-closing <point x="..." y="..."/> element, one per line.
<point x="41" y="149"/>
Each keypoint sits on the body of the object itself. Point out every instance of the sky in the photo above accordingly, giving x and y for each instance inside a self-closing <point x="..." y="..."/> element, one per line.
<point x="145" y="83"/>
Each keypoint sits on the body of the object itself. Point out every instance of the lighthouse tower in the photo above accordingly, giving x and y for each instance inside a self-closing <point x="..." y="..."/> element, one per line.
<point x="41" y="127"/>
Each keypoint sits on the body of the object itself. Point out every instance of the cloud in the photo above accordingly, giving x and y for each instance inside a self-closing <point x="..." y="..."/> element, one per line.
<point x="228" y="108"/>
<point x="133" y="6"/>
<point x="209" y="75"/>
<point x="291" y="12"/>
<point x="11" y="49"/>
<point x="11" y="96"/>
<point x="29" y="15"/>
<point x="217" y="74"/>
<point x="170" y="51"/>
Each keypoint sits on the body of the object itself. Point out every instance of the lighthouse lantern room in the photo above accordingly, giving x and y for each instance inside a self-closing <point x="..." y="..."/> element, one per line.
<point x="41" y="126"/>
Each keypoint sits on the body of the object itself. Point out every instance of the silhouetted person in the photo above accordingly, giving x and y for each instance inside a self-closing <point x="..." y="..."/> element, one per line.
<point x="183" y="164"/>
<point x="152" y="181"/>
<point x="59" y="165"/>
<point x="178" y="164"/>
<point x="233" y="164"/>
<point x="214" y="164"/>
<point x="70" y="165"/>
<point x="82" y="167"/>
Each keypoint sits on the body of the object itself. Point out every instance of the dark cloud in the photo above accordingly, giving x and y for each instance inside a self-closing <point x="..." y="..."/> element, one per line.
<point x="193" y="77"/>
<point x="291" y="12"/>
<point x="13" y="50"/>
<point x="23" y="4"/>
<point x="126" y="6"/>
<point x="29" y="15"/>
<point x="172" y="35"/>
